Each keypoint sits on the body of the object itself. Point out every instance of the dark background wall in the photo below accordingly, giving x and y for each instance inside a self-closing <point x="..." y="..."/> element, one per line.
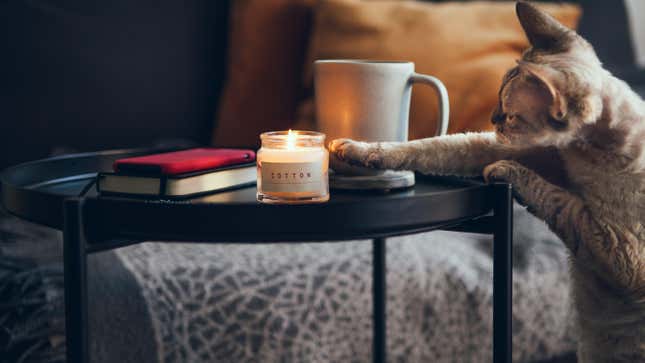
<point x="94" y="74"/>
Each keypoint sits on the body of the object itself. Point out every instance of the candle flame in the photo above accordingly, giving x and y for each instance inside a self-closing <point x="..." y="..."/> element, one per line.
<point x="291" y="140"/>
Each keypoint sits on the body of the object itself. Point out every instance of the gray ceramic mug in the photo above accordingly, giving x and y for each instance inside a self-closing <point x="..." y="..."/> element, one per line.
<point x="370" y="100"/>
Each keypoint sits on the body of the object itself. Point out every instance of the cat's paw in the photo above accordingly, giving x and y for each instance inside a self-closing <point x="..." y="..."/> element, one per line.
<point x="501" y="171"/>
<point x="510" y="172"/>
<point x="356" y="152"/>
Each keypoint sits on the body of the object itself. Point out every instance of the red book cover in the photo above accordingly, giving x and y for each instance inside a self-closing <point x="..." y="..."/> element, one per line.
<point x="184" y="161"/>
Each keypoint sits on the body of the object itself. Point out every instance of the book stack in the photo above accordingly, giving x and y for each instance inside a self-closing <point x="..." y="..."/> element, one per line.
<point x="180" y="174"/>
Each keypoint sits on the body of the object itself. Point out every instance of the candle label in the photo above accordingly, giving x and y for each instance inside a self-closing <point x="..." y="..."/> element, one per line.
<point x="292" y="177"/>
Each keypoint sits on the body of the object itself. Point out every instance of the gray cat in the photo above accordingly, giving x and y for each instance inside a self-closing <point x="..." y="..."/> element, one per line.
<point x="570" y="137"/>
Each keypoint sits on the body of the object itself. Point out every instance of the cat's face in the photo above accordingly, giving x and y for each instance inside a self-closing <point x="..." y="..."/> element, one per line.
<point x="554" y="89"/>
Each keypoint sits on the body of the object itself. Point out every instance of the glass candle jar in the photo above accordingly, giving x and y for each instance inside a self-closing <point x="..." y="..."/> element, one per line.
<point x="293" y="168"/>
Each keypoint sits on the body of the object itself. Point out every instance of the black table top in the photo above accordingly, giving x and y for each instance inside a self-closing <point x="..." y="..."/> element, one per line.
<point x="36" y="191"/>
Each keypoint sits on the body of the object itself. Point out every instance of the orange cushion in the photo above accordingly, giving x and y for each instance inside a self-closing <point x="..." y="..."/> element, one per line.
<point x="267" y="46"/>
<point x="469" y="46"/>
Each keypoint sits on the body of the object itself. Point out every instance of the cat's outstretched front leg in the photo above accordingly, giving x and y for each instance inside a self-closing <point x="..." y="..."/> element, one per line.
<point x="559" y="208"/>
<point x="458" y="154"/>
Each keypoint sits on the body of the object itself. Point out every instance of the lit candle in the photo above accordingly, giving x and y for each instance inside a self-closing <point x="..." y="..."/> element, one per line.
<point x="293" y="168"/>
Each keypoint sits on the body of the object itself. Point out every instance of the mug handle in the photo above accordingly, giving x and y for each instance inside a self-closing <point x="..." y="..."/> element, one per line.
<point x="444" y="105"/>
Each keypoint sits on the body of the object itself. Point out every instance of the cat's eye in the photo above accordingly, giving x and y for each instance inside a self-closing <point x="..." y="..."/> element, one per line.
<point x="510" y="117"/>
<point x="498" y="117"/>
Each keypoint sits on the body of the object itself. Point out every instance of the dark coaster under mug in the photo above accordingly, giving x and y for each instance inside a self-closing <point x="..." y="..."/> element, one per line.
<point x="389" y="179"/>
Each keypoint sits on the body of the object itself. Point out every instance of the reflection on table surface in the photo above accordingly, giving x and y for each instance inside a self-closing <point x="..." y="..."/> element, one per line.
<point x="425" y="185"/>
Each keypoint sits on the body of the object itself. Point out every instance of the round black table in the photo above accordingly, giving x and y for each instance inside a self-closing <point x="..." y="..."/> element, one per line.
<point x="59" y="192"/>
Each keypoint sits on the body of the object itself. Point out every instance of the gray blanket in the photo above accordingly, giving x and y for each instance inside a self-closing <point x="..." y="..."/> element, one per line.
<point x="32" y="320"/>
<point x="312" y="302"/>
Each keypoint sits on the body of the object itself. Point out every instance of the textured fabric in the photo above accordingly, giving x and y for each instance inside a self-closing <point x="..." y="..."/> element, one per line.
<point x="309" y="302"/>
<point x="469" y="46"/>
<point x="32" y="326"/>
<point x="285" y="302"/>
<point x="32" y="318"/>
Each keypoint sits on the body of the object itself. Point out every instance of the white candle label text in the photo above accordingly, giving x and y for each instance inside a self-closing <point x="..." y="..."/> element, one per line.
<point x="292" y="177"/>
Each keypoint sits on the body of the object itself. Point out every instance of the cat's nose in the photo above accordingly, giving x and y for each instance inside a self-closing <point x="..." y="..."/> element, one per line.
<point x="498" y="118"/>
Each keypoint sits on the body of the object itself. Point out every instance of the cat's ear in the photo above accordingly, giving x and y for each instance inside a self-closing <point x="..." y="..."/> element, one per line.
<point x="549" y="79"/>
<point x="542" y="30"/>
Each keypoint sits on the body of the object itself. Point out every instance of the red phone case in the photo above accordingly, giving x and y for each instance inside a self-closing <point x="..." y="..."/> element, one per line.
<point x="184" y="161"/>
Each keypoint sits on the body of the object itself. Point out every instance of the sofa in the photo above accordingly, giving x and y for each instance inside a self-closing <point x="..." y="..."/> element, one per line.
<point x="91" y="75"/>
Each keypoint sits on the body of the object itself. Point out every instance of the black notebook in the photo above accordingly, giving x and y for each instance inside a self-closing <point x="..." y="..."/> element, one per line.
<point x="180" y="185"/>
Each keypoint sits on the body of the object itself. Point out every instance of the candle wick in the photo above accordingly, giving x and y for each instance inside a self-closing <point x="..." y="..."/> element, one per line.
<point x="291" y="140"/>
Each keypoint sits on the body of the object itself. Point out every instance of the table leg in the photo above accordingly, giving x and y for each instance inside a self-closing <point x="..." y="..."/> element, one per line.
<point x="503" y="274"/>
<point x="75" y="269"/>
<point x="379" y="299"/>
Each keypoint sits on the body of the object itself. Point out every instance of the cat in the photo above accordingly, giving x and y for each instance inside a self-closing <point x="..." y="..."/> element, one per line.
<point x="586" y="129"/>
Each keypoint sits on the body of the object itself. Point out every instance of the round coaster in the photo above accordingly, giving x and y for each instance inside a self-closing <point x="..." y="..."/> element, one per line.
<point x="389" y="179"/>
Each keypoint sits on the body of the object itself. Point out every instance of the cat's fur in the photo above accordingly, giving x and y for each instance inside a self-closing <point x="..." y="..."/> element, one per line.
<point x="586" y="130"/>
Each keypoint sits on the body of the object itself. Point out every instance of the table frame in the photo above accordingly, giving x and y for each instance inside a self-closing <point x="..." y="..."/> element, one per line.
<point x="500" y="224"/>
